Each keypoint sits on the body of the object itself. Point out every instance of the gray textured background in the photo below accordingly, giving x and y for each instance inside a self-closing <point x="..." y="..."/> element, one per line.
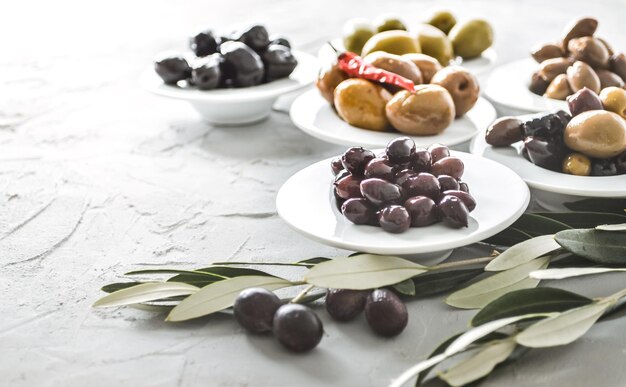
<point x="97" y="178"/>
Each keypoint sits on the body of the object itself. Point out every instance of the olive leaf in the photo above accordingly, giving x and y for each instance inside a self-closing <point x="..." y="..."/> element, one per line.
<point x="539" y="224"/>
<point x="221" y="295"/>
<point x="563" y="328"/>
<point x="612" y="227"/>
<point x="145" y="292"/>
<point x="523" y="252"/>
<point x="527" y="301"/>
<point x="363" y="271"/>
<point x="584" y="219"/>
<point x="431" y="283"/>
<point x="114" y="287"/>
<point x="556" y="274"/>
<point x="612" y="205"/>
<point x="480" y="364"/>
<point x="508" y="237"/>
<point x="202" y="277"/>
<point x="406" y="287"/>
<point x="483" y="292"/>
<point x="597" y="246"/>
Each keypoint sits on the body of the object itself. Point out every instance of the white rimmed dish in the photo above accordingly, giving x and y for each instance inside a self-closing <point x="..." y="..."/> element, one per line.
<point x="550" y="189"/>
<point x="477" y="65"/>
<point x="314" y="115"/>
<point x="507" y="86"/>
<point x="306" y="203"/>
<point x="238" y="106"/>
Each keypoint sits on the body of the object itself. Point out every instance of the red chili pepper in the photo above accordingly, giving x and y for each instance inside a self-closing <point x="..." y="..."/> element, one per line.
<point x="353" y="65"/>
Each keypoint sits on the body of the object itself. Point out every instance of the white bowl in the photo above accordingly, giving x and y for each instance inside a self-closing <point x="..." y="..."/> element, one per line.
<point x="550" y="189"/>
<point x="242" y="105"/>
<point x="507" y="85"/>
<point x="479" y="65"/>
<point x="307" y="204"/>
<point x="313" y="114"/>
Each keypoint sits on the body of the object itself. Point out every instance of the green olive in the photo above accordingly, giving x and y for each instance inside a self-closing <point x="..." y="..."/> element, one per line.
<point x="355" y="33"/>
<point x="577" y="164"/>
<point x="435" y="43"/>
<point x="393" y="42"/>
<point x="389" y="23"/>
<point x="444" y="20"/>
<point x="471" y="38"/>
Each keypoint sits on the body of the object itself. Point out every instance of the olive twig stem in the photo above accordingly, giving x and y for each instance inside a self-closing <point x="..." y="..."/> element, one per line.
<point x="303" y="293"/>
<point x="466" y="262"/>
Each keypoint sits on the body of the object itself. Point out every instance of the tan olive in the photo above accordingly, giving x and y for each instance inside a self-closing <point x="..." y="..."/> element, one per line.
<point x="538" y="85"/>
<point x="608" y="47"/>
<point x="578" y="28"/>
<point x="617" y="64"/>
<point x="396" y="64"/>
<point x="427" y="111"/>
<point x="462" y="86"/>
<point x="545" y="51"/>
<point x="435" y="43"/>
<point x="328" y="80"/>
<point x="609" y="78"/>
<point x="550" y="68"/>
<point x="577" y="164"/>
<point x="427" y="64"/>
<point x="559" y="88"/>
<point x="614" y="100"/>
<point x="589" y="50"/>
<point x="596" y="133"/>
<point x="362" y="103"/>
<point x="580" y="75"/>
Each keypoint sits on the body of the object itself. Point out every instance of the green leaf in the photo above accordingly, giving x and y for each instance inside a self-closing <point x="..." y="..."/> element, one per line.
<point x="612" y="227"/>
<point x="114" y="287"/>
<point x="527" y="301"/>
<point x="563" y="328"/>
<point x="214" y="277"/>
<point x="480" y="364"/>
<point x="221" y="295"/>
<point x="437" y="282"/>
<point x="406" y="287"/>
<point x="556" y="274"/>
<point x="315" y="260"/>
<point x="479" y="294"/>
<point x="201" y="279"/>
<point x="364" y="271"/>
<point x="145" y="292"/>
<point x="538" y="224"/>
<point x="584" y="219"/>
<point x="597" y="246"/>
<point x="617" y="206"/>
<point x="523" y="252"/>
<point x="508" y="237"/>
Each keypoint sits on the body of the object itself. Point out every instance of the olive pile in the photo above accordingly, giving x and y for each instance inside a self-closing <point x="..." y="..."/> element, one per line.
<point x="590" y="141"/>
<point x="440" y="37"/>
<point x="244" y="58"/>
<point x="578" y="60"/>
<point x="403" y="187"/>
<point x="385" y="313"/>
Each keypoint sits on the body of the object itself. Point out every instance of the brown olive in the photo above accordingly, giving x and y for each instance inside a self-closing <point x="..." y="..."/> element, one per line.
<point x="395" y="64"/>
<point x="617" y="64"/>
<point x="596" y="133"/>
<point x="448" y="183"/>
<point x="504" y="131"/>
<point x="545" y="51"/>
<point x="550" y="68"/>
<point x="609" y="78"/>
<point x="328" y="80"/>
<point x="426" y="111"/>
<point x="348" y="186"/>
<point x="559" y="88"/>
<point x="427" y="65"/>
<point x="583" y="100"/>
<point x="608" y="47"/>
<point x="438" y="152"/>
<point x="462" y="86"/>
<point x="362" y="103"/>
<point x="578" y="28"/>
<point x="538" y="84"/>
<point x="580" y="75"/>
<point x="614" y="100"/>
<point x="589" y="50"/>
<point x="577" y="164"/>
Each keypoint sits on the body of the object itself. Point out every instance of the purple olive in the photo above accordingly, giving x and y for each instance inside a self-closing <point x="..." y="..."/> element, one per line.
<point x="401" y="177"/>
<point x="358" y="211"/>
<point x="453" y="212"/>
<point x="583" y="100"/>
<point x="438" y="152"/>
<point x="422" y="210"/>
<point x="400" y="150"/>
<point x="379" y="191"/>
<point x="355" y="159"/>
<point x="394" y="219"/>
<point x="421" y="160"/>
<point x="451" y="166"/>
<point x="424" y="184"/>
<point x="348" y="186"/>
<point x="380" y="168"/>
<point x="548" y="154"/>
<point x="463" y="187"/>
<point x="336" y="166"/>
<point x="345" y="304"/>
<point x="448" y="183"/>
<point x="465" y="197"/>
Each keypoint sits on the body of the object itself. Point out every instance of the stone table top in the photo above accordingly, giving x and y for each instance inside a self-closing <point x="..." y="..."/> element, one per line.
<point x="98" y="178"/>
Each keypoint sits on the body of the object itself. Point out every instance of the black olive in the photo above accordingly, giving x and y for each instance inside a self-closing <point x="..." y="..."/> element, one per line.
<point x="172" y="68"/>
<point x="394" y="219"/>
<point x="203" y="43"/>
<point x="386" y="314"/>
<point x="206" y="73"/>
<point x="279" y="40"/>
<point x="358" y="211"/>
<point x="279" y="62"/>
<point x="400" y="150"/>
<point x="297" y="327"/>
<point x="345" y="304"/>
<point x="256" y="37"/>
<point x="355" y="159"/>
<point x="254" y="309"/>
<point x="241" y="64"/>
<point x="453" y="212"/>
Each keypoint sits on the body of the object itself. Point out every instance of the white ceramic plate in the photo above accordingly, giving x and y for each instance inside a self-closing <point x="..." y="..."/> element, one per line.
<point x="545" y="180"/>
<point x="306" y="203"/>
<point x="507" y="85"/>
<point x="314" y="115"/>
<point x="477" y="65"/>
<point x="241" y="105"/>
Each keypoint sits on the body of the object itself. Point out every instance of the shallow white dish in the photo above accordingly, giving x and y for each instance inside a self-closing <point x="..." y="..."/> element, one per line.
<point x="307" y="204"/>
<point x="545" y="180"/>
<point x="507" y="85"/>
<point x="237" y="106"/>
<point x="314" y="115"/>
<point x="477" y="65"/>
